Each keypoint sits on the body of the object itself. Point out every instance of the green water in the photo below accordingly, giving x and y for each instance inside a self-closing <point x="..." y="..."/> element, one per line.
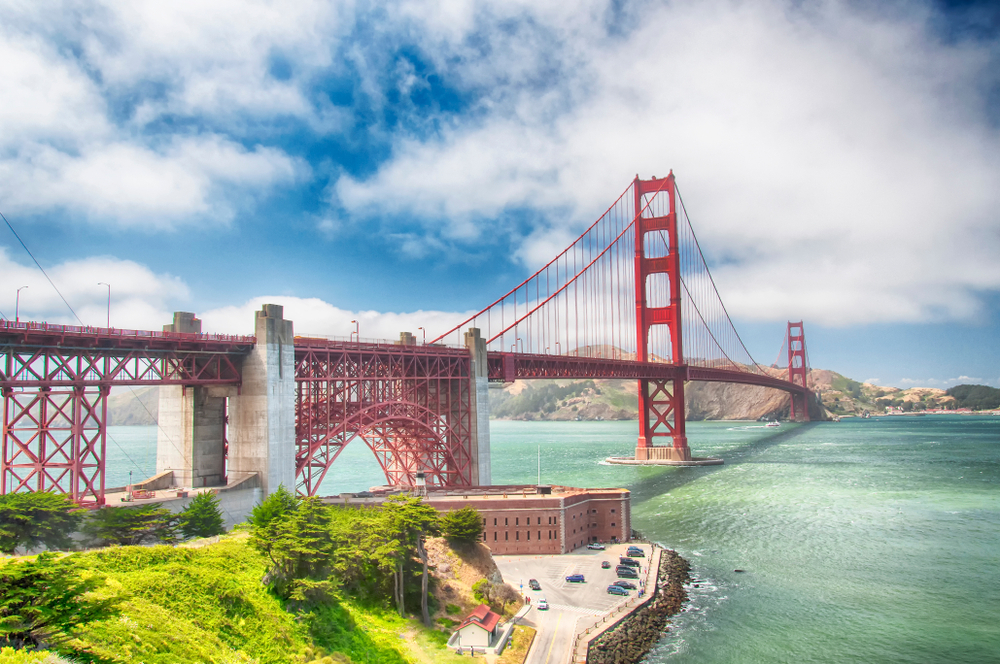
<point x="862" y="541"/>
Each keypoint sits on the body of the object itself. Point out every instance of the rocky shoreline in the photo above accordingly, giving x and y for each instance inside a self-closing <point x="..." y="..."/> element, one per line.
<point x="628" y="642"/>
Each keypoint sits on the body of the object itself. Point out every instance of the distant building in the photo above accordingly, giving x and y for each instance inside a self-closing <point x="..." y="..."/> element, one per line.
<point x="479" y="629"/>
<point x="528" y="519"/>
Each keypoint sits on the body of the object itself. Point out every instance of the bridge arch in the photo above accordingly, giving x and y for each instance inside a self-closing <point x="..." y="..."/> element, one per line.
<point x="406" y="438"/>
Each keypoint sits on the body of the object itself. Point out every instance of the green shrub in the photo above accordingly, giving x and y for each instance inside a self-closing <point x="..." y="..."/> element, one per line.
<point x="42" y="600"/>
<point x="453" y="609"/>
<point x="131" y="525"/>
<point x="463" y="525"/>
<point x="202" y="517"/>
<point x="31" y="519"/>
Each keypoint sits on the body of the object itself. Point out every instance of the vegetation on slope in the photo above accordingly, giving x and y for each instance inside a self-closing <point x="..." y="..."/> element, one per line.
<point x="304" y="582"/>
<point x="976" y="397"/>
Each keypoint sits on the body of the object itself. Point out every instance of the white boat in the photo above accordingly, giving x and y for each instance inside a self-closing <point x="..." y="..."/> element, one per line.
<point x="771" y="425"/>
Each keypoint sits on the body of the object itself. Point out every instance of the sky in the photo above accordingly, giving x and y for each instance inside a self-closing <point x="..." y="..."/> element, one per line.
<point x="405" y="163"/>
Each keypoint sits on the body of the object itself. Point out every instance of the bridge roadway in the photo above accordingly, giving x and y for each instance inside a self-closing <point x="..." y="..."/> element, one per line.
<point x="420" y="408"/>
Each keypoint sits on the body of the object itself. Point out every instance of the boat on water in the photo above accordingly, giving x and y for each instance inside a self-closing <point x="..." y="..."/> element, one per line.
<point x="772" y="424"/>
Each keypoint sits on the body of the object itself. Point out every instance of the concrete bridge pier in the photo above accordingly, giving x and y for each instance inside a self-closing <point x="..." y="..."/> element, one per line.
<point x="262" y="416"/>
<point x="480" y="408"/>
<point x="214" y="435"/>
<point x="191" y="432"/>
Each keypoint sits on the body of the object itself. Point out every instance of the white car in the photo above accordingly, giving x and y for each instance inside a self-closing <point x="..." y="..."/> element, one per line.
<point x="596" y="546"/>
<point x="542" y="605"/>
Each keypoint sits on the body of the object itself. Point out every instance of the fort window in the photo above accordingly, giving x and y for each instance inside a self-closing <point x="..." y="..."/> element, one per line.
<point x="494" y="521"/>
<point x="517" y="535"/>
<point x="517" y="521"/>
<point x="506" y="536"/>
<point x="494" y="536"/>
<point x="528" y="535"/>
<point x="505" y="521"/>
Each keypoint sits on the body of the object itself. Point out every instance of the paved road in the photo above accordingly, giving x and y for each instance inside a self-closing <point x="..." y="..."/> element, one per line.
<point x="573" y="605"/>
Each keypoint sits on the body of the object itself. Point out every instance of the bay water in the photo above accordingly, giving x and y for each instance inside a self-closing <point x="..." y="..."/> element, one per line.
<point x="860" y="541"/>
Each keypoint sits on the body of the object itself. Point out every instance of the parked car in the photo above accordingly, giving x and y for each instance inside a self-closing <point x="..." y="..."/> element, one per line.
<point x="635" y="552"/>
<point x="596" y="546"/>
<point x="542" y="605"/>
<point x="534" y="585"/>
<point x="605" y="564"/>
<point x="628" y="561"/>
<point x="626" y="572"/>
<point x="628" y="585"/>
<point x="575" y="578"/>
<point x="617" y="590"/>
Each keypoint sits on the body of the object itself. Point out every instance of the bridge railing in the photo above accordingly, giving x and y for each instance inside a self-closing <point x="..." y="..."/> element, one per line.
<point x="304" y="339"/>
<point x="32" y="326"/>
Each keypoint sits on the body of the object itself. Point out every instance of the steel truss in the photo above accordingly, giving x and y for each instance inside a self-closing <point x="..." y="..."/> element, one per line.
<point x="410" y="404"/>
<point x="55" y="381"/>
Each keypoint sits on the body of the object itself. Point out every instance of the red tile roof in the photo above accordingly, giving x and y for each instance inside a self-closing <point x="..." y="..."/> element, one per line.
<point x="483" y="617"/>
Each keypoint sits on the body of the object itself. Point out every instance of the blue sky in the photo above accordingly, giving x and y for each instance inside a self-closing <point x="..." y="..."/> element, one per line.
<point x="403" y="163"/>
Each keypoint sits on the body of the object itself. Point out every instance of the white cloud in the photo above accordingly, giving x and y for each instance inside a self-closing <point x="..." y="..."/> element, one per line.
<point x="140" y="298"/>
<point x="67" y="144"/>
<point x="837" y="157"/>
<point x="314" y="317"/>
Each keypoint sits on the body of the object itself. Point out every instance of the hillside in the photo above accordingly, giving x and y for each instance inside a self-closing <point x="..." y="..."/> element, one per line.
<point x="135" y="406"/>
<point x="618" y="400"/>
<point x="205" y="601"/>
<point x="606" y="399"/>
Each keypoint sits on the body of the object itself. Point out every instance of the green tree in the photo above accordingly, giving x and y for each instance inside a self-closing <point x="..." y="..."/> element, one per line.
<point x="42" y="600"/>
<point x="275" y="506"/>
<point x="482" y="591"/>
<point x="131" y="525"/>
<point x="202" y="517"/>
<point x="300" y="546"/>
<point x="407" y="521"/>
<point x="37" y="518"/>
<point x="464" y="525"/>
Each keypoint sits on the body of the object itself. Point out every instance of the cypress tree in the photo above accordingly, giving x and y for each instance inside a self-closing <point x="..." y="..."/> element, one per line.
<point x="202" y="517"/>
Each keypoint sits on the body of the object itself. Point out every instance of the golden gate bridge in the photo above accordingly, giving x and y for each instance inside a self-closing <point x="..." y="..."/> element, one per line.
<point x="631" y="298"/>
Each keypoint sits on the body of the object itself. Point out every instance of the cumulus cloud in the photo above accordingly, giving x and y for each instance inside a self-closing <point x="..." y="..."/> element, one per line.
<point x="314" y="317"/>
<point x="140" y="298"/>
<point x="89" y="88"/>
<point x="837" y="159"/>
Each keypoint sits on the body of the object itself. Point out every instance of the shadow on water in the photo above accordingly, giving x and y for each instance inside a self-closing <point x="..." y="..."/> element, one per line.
<point x="677" y="477"/>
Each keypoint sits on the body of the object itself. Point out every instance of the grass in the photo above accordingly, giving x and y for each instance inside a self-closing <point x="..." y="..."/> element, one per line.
<point x="208" y="605"/>
<point x="520" y="643"/>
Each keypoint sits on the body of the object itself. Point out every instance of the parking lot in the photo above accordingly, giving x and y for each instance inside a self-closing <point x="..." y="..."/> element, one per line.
<point x="568" y="602"/>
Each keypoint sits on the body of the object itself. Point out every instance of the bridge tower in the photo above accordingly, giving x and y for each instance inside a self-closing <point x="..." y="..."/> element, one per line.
<point x="797" y="370"/>
<point x="661" y="402"/>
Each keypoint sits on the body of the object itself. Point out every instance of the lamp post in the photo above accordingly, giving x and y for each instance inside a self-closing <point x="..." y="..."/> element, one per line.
<point x="17" y="302"/>
<point x="357" y="330"/>
<point x="101" y="283"/>
<point x="425" y="334"/>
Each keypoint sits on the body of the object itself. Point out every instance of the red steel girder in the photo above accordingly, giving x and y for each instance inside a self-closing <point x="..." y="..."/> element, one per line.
<point x="54" y="440"/>
<point x="53" y="366"/>
<point x="410" y="404"/>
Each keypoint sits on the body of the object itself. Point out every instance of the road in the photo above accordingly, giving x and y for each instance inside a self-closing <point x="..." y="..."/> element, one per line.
<point x="573" y="606"/>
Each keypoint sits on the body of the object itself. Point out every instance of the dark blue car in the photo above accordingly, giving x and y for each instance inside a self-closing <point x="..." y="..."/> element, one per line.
<point x="575" y="578"/>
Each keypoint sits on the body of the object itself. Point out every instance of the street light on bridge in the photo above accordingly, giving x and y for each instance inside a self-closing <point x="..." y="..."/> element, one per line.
<point x="17" y="302"/>
<point x="101" y="283"/>
<point x="357" y="331"/>
<point x="425" y="334"/>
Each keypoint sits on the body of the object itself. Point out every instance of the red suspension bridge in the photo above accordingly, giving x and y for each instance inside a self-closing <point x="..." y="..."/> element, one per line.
<point x="631" y="298"/>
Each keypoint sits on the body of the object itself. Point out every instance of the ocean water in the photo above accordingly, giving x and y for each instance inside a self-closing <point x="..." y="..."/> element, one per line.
<point x="861" y="541"/>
